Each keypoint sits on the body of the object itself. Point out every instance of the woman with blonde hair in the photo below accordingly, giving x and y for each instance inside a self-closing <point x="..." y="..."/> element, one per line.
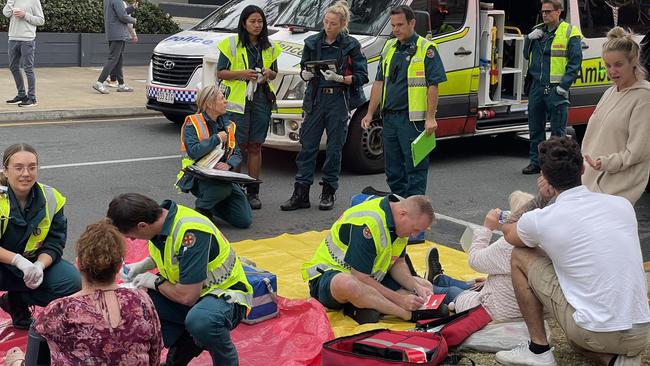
<point x="327" y="104"/>
<point x="33" y="232"/>
<point x="200" y="135"/>
<point x="102" y="324"/>
<point x="616" y="144"/>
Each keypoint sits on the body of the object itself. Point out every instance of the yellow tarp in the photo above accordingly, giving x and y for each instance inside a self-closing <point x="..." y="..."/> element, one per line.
<point x="283" y="255"/>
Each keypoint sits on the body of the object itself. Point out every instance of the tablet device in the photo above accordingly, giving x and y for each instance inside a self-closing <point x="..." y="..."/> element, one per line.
<point x="315" y="67"/>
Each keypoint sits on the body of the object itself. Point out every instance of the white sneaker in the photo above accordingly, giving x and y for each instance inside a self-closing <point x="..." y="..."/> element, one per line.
<point x="124" y="88"/>
<point x="522" y="356"/>
<point x="622" y="360"/>
<point x="100" y="88"/>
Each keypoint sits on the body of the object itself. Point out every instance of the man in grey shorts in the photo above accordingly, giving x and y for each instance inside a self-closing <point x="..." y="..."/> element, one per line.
<point x="24" y="16"/>
<point x="579" y="259"/>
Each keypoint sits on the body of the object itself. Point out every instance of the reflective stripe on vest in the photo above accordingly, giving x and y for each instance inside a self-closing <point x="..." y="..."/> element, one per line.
<point x="330" y="254"/>
<point x="203" y="133"/>
<point x="559" y="50"/>
<point x="416" y="76"/>
<point x="224" y="271"/>
<point x="238" y="57"/>
<point x="54" y="201"/>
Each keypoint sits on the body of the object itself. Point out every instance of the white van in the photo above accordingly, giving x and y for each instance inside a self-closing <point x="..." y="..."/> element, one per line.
<point x="480" y="44"/>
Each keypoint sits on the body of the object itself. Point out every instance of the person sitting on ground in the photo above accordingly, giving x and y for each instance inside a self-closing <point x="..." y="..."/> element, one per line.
<point x="497" y="295"/>
<point x="102" y="324"/>
<point x="571" y="258"/>
<point x="200" y="135"/>
<point x="33" y="231"/>
<point x="361" y="261"/>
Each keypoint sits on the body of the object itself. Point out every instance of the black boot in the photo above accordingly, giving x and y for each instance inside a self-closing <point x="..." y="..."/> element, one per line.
<point x="182" y="351"/>
<point x="253" y="194"/>
<point x="299" y="198"/>
<point x="13" y="304"/>
<point x="327" y="197"/>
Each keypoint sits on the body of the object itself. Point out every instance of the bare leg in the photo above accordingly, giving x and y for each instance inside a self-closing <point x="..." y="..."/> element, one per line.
<point x="254" y="159"/>
<point x="345" y="288"/>
<point x="531" y="308"/>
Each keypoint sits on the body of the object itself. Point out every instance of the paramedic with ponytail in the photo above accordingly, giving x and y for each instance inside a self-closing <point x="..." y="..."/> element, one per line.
<point x="201" y="292"/>
<point x="247" y="63"/>
<point x="406" y="88"/>
<point x="33" y="232"/>
<point x="327" y="105"/>
<point x="200" y="135"/>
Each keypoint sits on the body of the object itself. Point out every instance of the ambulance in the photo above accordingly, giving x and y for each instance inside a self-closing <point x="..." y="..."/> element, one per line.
<point x="481" y="46"/>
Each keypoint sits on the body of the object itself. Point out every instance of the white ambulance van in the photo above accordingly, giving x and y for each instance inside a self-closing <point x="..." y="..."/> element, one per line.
<point x="481" y="45"/>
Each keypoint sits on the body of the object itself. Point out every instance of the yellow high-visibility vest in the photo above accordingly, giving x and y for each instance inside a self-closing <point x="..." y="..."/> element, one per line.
<point x="330" y="254"/>
<point x="416" y="75"/>
<point x="224" y="271"/>
<point x="238" y="57"/>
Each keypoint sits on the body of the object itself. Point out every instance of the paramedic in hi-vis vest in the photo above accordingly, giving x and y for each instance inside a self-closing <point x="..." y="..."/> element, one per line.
<point x="554" y="57"/>
<point x="200" y="292"/>
<point x="406" y="87"/>
<point x="200" y="135"/>
<point x="361" y="261"/>
<point x="247" y="63"/>
<point x="33" y="231"/>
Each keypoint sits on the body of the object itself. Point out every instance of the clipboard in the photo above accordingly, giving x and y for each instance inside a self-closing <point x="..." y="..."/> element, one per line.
<point x="225" y="176"/>
<point x="315" y="67"/>
<point x="422" y="146"/>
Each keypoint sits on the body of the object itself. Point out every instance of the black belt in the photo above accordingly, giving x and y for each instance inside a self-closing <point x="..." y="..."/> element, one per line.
<point x="331" y="90"/>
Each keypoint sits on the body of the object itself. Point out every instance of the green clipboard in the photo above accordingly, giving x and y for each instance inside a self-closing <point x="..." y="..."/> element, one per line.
<point x="422" y="146"/>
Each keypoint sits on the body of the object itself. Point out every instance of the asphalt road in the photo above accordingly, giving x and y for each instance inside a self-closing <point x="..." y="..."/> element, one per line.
<point x="92" y="161"/>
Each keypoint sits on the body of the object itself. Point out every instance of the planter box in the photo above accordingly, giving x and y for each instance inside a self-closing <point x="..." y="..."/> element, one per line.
<point x="83" y="49"/>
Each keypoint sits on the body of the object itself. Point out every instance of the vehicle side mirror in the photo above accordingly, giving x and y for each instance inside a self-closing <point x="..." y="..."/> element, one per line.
<point x="422" y="23"/>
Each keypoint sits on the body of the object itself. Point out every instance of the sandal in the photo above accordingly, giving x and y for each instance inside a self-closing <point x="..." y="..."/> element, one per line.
<point x="14" y="355"/>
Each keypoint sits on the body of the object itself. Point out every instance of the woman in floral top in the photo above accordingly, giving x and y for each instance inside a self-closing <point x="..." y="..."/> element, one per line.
<point x="101" y="324"/>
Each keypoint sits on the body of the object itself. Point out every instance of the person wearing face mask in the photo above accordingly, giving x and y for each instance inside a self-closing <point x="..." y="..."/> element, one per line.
<point x="406" y="86"/>
<point x="327" y="105"/>
<point x="362" y="262"/>
<point x="33" y="231"/>
<point x="247" y="63"/>
<point x="554" y="57"/>
<point x="615" y="145"/>
<point x="200" y="135"/>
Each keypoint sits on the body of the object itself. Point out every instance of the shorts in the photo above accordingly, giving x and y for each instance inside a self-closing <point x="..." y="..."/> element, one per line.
<point x="542" y="279"/>
<point x="253" y="125"/>
<point x="319" y="289"/>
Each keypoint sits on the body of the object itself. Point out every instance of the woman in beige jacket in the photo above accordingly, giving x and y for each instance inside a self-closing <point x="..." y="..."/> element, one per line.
<point x="617" y="141"/>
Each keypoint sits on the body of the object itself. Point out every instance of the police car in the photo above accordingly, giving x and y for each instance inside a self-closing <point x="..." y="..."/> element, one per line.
<point x="481" y="46"/>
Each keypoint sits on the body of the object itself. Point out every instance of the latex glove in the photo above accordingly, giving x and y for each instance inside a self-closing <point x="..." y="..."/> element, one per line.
<point x="39" y="276"/>
<point x="251" y="87"/>
<point x="306" y="75"/>
<point x="30" y="270"/>
<point x="130" y="271"/>
<point x="332" y="76"/>
<point x="536" y="34"/>
<point x="146" y="280"/>
<point x="560" y="91"/>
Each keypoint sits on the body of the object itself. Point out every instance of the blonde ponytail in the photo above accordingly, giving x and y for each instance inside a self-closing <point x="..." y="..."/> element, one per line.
<point x="341" y="9"/>
<point x="618" y="39"/>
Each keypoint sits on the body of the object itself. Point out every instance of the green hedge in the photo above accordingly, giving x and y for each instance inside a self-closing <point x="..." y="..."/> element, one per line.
<point x="87" y="16"/>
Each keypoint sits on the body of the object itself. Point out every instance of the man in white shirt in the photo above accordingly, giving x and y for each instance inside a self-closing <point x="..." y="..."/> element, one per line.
<point x="579" y="258"/>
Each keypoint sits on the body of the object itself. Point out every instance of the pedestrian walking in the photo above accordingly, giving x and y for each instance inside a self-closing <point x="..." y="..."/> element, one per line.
<point x="133" y="36"/>
<point x="24" y="16"/>
<point x="116" y="22"/>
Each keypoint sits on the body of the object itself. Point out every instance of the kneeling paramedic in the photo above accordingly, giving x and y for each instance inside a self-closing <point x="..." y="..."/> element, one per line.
<point x="361" y="261"/>
<point x="201" y="292"/>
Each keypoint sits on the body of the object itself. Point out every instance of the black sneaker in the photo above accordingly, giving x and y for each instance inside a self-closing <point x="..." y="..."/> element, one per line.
<point x="434" y="268"/>
<point x="531" y="169"/>
<point x="361" y="316"/>
<point x="28" y="103"/>
<point x="424" y="314"/>
<point x="11" y="303"/>
<point x="17" y="99"/>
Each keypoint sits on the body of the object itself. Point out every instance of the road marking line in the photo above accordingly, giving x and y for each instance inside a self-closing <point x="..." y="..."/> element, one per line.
<point x="463" y="222"/>
<point x="72" y="121"/>
<point x="110" y="162"/>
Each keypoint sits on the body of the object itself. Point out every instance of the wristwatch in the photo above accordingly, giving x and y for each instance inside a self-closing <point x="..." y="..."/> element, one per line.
<point x="159" y="281"/>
